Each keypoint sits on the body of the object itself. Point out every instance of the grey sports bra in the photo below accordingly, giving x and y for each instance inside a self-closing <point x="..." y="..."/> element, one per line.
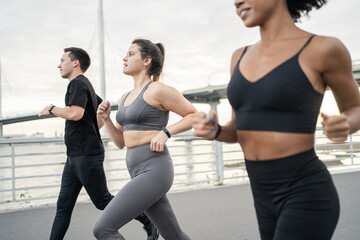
<point x="140" y="116"/>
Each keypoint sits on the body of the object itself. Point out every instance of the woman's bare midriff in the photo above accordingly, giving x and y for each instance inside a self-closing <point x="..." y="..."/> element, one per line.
<point x="137" y="138"/>
<point x="261" y="145"/>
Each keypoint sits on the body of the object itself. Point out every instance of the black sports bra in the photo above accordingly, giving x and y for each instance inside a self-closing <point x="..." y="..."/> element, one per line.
<point x="282" y="101"/>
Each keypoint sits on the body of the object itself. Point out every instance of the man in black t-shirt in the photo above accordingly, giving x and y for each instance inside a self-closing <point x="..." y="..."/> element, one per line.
<point x="85" y="151"/>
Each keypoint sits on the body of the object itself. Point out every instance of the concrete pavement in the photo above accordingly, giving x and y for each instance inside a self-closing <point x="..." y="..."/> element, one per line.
<point x="216" y="213"/>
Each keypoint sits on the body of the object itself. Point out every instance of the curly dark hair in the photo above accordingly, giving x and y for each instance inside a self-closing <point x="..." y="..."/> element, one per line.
<point x="297" y="8"/>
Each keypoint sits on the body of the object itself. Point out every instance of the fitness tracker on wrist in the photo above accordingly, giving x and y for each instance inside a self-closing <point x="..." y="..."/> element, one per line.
<point x="166" y="132"/>
<point x="51" y="108"/>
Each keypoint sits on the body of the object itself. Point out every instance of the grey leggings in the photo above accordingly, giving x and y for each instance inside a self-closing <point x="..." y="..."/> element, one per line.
<point x="152" y="174"/>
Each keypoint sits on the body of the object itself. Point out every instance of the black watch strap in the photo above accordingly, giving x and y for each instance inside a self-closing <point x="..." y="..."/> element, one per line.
<point x="166" y="132"/>
<point x="50" y="109"/>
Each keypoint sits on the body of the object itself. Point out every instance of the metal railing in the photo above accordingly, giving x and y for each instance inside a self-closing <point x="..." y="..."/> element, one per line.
<point x="30" y="169"/>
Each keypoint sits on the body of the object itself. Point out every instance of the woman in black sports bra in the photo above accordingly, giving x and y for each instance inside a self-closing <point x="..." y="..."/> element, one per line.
<point x="275" y="91"/>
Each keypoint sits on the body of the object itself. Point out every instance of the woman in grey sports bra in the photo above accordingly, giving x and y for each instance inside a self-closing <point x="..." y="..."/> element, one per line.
<point x="141" y="126"/>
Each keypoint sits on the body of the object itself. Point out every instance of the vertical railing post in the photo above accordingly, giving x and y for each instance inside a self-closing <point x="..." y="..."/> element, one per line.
<point x="189" y="159"/>
<point x="13" y="170"/>
<point x="219" y="162"/>
<point x="351" y="150"/>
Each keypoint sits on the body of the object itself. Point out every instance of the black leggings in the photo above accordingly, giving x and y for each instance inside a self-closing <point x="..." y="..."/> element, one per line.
<point x="294" y="197"/>
<point x="79" y="171"/>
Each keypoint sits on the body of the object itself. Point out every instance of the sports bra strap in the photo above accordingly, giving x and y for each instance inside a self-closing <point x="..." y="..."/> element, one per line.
<point x="238" y="62"/>
<point x="146" y="86"/>
<point x="142" y="92"/>
<point x="307" y="42"/>
<point x="242" y="54"/>
<point x="123" y="101"/>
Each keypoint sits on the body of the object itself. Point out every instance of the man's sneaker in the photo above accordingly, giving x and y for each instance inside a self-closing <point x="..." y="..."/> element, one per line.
<point x="152" y="231"/>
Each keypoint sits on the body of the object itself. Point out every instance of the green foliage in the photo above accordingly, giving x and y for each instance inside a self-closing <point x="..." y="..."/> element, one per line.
<point x="25" y="195"/>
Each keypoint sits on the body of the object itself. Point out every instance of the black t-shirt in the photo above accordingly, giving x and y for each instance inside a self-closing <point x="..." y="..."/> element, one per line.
<point x="82" y="137"/>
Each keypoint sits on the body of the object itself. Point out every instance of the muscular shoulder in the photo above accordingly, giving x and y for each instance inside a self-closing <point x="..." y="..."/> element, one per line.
<point x="157" y="89"/>
<point x="326" y="43"/>
<point x="159" y="93"/>
<point x="330" y="51"/>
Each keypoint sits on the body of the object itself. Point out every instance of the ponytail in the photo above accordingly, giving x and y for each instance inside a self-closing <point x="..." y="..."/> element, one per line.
<point x="157" y="54"/>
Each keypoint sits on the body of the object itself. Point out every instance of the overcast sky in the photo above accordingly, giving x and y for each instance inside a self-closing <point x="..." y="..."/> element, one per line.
<point x="199" y="38"/>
